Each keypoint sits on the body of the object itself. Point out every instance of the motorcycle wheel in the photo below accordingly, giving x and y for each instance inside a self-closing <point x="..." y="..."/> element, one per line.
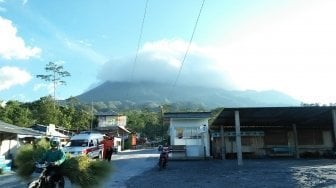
<point x="33" y="184"/>
<point x="60" y="183"/>
<point x="55" y="184"/>
<point x="161" y="164"/>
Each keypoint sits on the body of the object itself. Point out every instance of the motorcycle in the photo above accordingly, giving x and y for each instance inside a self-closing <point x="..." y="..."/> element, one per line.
<point x="42" y="180"/>
<point x="163" y="160"/>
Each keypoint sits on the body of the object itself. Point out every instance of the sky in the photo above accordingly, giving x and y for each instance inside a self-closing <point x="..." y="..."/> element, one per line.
<point x="283" y="45"/>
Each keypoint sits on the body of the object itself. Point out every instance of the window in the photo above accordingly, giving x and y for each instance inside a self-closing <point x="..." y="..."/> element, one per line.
<point x="81" y="143"/>
<point x="191" y="133"/>
<point x="179" y="132"/>
<point x="187" y="133"/>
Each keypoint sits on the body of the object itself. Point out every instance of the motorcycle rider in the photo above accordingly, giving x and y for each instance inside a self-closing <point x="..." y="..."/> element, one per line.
<point x="164" y="154"/>
<point x="55" y="156"/>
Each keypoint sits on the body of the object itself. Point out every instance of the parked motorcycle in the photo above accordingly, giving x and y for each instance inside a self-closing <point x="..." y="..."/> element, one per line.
<point x="43" y="181"/>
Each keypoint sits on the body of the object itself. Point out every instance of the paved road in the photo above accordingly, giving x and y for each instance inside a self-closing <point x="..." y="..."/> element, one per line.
<point x="125" y="164"/>
<point x="259" y="173"/>
<point x="131" y="163"/>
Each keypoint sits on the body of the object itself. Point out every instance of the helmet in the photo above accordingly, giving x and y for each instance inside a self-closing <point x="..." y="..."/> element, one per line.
<point x="54" y="143"/>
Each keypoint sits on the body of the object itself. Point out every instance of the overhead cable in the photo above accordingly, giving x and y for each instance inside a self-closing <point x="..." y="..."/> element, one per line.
<point x="138" y="46"/>
<point x="187" y="51"/>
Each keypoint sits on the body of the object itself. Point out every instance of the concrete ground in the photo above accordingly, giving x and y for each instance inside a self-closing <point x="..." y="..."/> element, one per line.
<point x="139" y="169"/>
<point x="253" y="173"/>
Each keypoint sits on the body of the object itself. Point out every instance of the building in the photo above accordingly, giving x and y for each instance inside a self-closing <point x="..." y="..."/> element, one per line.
<point x="189" y="135"/>
<point x="113" y="124"/>
<point x="273" y="131"/>
<point x="55" y="132"/>
<point x="10" y="136"/>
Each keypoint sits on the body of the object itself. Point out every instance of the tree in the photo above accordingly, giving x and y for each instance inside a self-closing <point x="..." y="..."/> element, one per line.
<point x="56" y="76"/>
<point x="81" y="120"/>
<point x="145" y="122"/>
<point x="45" y="112"/>
<point x="16" y="113"/>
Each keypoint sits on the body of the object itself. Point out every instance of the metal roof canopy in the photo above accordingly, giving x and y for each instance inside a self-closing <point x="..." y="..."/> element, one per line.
<point x="306" y="116"/>
<point x="9" y="128"/>
<point x="187" y="115"/>
<point x="113" y="128"/>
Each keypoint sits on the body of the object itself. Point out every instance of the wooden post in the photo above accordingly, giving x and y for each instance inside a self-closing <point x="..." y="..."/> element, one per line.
<point x="238" y="139"/>
<point x="123" y="141"/>
<point x="223" y="148"/>
<point x="296" y="149"/>
<point x="333" y="113"/>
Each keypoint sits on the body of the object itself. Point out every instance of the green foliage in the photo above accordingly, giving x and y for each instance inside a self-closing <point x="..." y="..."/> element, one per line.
<point x="81" y="120"/>
<point x="86" y="172"/>
<point x="135" y="122"/>
<point x="72" y="115"/>
<point x="55" y="76"/>
<point x="45" y="112"/>
<point x="147" y="123"/>
<point x="80" y="170"/>
<point x="127" y="144"/>
<point x="27" y="155"/>
<point x="16" y="113"/>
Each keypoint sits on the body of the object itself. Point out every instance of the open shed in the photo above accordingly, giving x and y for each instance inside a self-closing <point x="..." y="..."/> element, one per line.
<point x="9" y="135"/>
<point x="273" y="131"/>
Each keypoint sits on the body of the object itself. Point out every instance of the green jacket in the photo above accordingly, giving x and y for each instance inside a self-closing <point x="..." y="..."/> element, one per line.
<point x="56" y="156"/>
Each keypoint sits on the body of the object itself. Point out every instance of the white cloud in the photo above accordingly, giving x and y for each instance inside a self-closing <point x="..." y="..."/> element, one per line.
<point x="13" y="46"/>
<point x="48" y="86"/>
<point x="160" y="61"/>
<point x="84" y="48"/>
<point x="11" y="76"/>
<point x="292" y="50"/>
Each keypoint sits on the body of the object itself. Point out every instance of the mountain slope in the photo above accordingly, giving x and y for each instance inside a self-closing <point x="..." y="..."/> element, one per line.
<point x="151" y="92"/>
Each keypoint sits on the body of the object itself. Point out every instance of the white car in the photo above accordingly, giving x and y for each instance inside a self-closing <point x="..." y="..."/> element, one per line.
<point x="85" y="143"/>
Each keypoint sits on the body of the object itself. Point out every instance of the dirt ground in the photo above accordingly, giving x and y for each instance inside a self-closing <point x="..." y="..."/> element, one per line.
<point x="253" y="173"/>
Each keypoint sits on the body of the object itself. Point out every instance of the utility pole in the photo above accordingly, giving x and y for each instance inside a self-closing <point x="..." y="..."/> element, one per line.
<point x="162" y="132"/>
<point x="91" y="115"/>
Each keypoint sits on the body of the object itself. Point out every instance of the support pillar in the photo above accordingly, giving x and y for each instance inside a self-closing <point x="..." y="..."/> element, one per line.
<point x="223" y="148"/>
<point x="123" y="141"/>
<point x="333" y="113"/>
<point x="296" y="149"/>
<point x="238" y="139"/>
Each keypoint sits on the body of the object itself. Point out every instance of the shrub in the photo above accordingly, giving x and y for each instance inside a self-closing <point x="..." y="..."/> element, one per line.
<point x="80" y="170"/>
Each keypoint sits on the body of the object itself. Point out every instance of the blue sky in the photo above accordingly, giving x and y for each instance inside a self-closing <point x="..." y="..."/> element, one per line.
<point x="284" y="45"/>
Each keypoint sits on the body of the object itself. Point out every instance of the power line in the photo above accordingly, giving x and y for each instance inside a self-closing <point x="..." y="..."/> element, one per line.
<point x="187" y="51"/>
<point x="138" y="46"/>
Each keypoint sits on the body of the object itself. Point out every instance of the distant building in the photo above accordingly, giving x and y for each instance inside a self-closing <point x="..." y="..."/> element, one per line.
<point x="52" y="131"/>
<point x="274" y="131"/>
<point x="189" y="135"/>
<point x="11" y="137"/>
<point x="113" y="124"/>
<point x="110" y="119"/>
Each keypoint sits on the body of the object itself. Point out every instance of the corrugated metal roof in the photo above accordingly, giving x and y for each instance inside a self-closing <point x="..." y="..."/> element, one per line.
<point x="187" y="115"/>
<point x="113" y="128"/>
<point x="110" y="113"/>
<point x="306" y="116"/>
<point x="9" y="128"/>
